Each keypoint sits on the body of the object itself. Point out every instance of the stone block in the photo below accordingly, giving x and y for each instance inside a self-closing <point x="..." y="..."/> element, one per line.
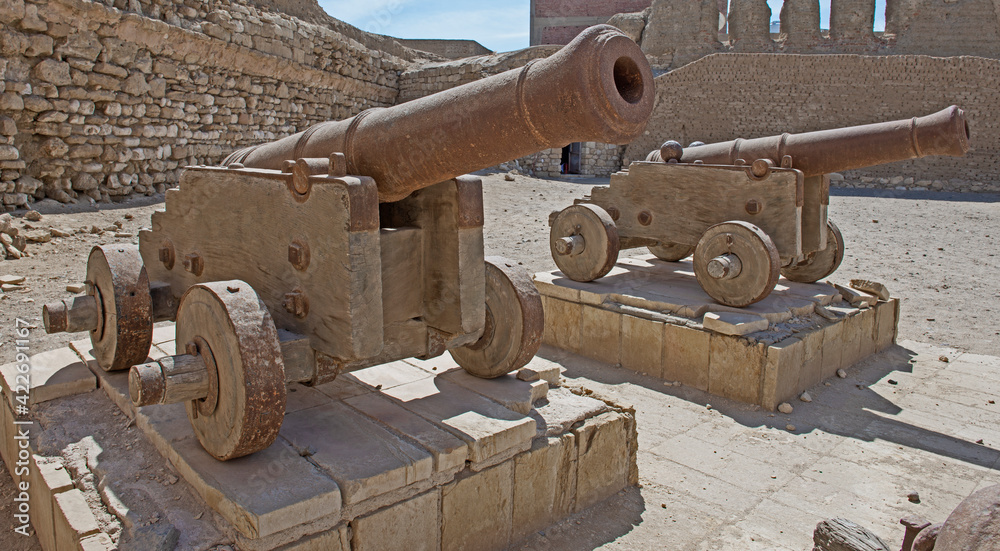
<point x="600" y="334"/>
<point x="781" y="372"/>
<point x="260" y="494"/>
<point x="488" y="428"/>
<point x="412" y="525"/>
<point x="886" y="320"/>
<point x="642" y="345"/>
<point x="735" y="368"/>
<point x="734" y="323"/>
<point x="562" y="323"/>
<point x="604" y="458"/>
<point x="544" y="484"/>
<point x="97" y="542"/>
<point x="47" y="478"/>
<point x="508" y="391"/>
<point x="477" y="510"/>
<point x="363" y="458"/>
<point x="52" y="375"/>
<point x="812" y="358"/>
<point x="867" y="333"/>
<point x="563" y="409"/>
<point x="686" y="355"/>
<point x="335" y="539"/>
<point x="833" y="350"/>
<point x="850" y="336"/>
<point x="449" y="451"/>
<point x="390" y="375"/>
<point x="72" y="519"/>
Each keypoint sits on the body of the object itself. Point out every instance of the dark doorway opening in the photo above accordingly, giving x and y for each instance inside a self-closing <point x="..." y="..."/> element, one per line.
<point x="570" y="163"/>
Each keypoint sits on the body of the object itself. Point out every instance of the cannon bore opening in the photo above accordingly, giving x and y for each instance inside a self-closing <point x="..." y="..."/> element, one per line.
<point x="628" y="79"/>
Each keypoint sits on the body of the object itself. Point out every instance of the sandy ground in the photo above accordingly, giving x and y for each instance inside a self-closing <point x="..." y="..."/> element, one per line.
<point x="933" y="250"/>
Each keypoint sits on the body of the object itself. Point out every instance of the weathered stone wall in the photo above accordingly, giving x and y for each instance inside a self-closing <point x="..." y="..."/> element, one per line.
<point x="674" y="33"/>
<point x="725" y="96"/>
<point x="102" y="102"/>
<point x="596" y="159"/>
<point x="559" y="21"/>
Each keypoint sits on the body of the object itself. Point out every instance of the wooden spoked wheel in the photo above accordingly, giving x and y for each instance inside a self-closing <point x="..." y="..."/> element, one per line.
<point x="736" y="263"/>
<point x="226" y="324"/>
<point x="117" y="279"/>
<point x="671" y="252"/>
<point x="821" y="263"/>
<point x="584" y="242"/>
<point x="514" y="323"/>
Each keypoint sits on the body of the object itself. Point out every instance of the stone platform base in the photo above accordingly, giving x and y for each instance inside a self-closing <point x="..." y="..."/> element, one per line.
<point x="409" y="455"/>
<point x="652" y="317"/>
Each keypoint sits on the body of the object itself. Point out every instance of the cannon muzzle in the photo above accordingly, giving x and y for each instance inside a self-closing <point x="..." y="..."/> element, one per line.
<point x="826" y="151"/>
<point x="597" y="88"/>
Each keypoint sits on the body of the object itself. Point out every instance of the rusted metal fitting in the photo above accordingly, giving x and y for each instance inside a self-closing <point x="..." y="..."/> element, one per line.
<point x="754" y="206"/>
<point x="761" y="168"/>
<point x="194" y="263"/>
<point x="671" y="150"/>
<point x="167" y="255"/>
<point x="726" y="266"/>
<point x="338" y="165"/>
<point x="298" y="255"/>
<point x="296" y="303"/>
<point x="72" y="315"/>
<point x="614" y="213"/>
<point x="570" y="246"/>
<point x="645" y="218"/>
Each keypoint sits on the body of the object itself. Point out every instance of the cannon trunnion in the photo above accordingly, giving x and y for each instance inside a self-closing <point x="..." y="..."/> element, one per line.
<point x="351" y="244"/>
<point x="749" y="210"/>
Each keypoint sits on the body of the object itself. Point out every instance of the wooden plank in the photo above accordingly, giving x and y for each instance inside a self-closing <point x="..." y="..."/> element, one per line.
<point x="402" y="262"/>
<point x="684" y="200"/>
<point x="450" y="217"/>
<point x="814" y="213"/>
<point x="241" y="223"/>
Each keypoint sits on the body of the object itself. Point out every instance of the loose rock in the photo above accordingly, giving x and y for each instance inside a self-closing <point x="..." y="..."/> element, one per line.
<point x="76" y="287"/>
<point x="785" y="408"/>
<point x="806" y="397"/>
<point x="841" y="373"/>
<point x="914" y="497"/>
<point x="11" y="280"/>
<point x="33" y="216"/>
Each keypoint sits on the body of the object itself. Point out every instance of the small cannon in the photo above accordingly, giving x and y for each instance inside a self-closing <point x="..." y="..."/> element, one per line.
<point x="351" y="244"/>
<point x="749" y="210"/>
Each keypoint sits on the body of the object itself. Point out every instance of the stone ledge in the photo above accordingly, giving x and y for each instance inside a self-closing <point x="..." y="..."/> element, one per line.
<point x="652" y="317"/>
<point x="316" y="487"/>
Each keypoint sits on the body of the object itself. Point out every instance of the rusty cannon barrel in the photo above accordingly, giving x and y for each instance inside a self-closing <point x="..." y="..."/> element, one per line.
<point x="597" y="88"/>
<point x="826" y="151"/>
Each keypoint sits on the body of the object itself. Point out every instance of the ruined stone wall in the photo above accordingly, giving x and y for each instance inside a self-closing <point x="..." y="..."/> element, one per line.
<point x="559" y="21"/>
<point x="726" y="96"/>
<point x="100" y="102"/>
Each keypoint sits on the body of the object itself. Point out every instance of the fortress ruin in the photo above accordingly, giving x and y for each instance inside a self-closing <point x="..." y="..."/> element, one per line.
<point x="103" y="99"/>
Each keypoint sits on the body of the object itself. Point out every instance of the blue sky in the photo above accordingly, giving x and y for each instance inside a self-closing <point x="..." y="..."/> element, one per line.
<point x="500" y="25"/>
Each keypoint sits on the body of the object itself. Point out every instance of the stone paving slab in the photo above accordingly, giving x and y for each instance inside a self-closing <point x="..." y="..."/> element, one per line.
<point x="369" y="461"/>
<point x="716" y="474"/>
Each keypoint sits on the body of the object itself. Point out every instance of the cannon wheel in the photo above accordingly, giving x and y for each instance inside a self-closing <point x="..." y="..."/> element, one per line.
<point x="671" y="252"/>
<point x="821" y="263"/>
<point x="757" y="255"/>
<point x="231" y="329"/>
<point x="117" y="279"/>
<point x="596" y="246"/>
<point x="514" y="323"/>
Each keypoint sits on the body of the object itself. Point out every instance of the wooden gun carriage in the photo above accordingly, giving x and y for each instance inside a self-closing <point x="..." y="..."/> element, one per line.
<point x="749" y="210"/>
<point x="353" y="243"/>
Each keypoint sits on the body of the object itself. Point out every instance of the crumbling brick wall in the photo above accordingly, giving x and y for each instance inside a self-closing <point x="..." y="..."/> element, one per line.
<point x="793" y="93"/>
<point x="100" y="102"/>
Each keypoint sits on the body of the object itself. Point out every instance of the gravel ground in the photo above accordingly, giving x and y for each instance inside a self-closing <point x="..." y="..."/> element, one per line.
<point x="933" y="250"/>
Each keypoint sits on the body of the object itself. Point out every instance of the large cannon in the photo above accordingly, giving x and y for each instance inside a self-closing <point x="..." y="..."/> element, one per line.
<point x="749" y="210"/>
<point x="350" y="244"/>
